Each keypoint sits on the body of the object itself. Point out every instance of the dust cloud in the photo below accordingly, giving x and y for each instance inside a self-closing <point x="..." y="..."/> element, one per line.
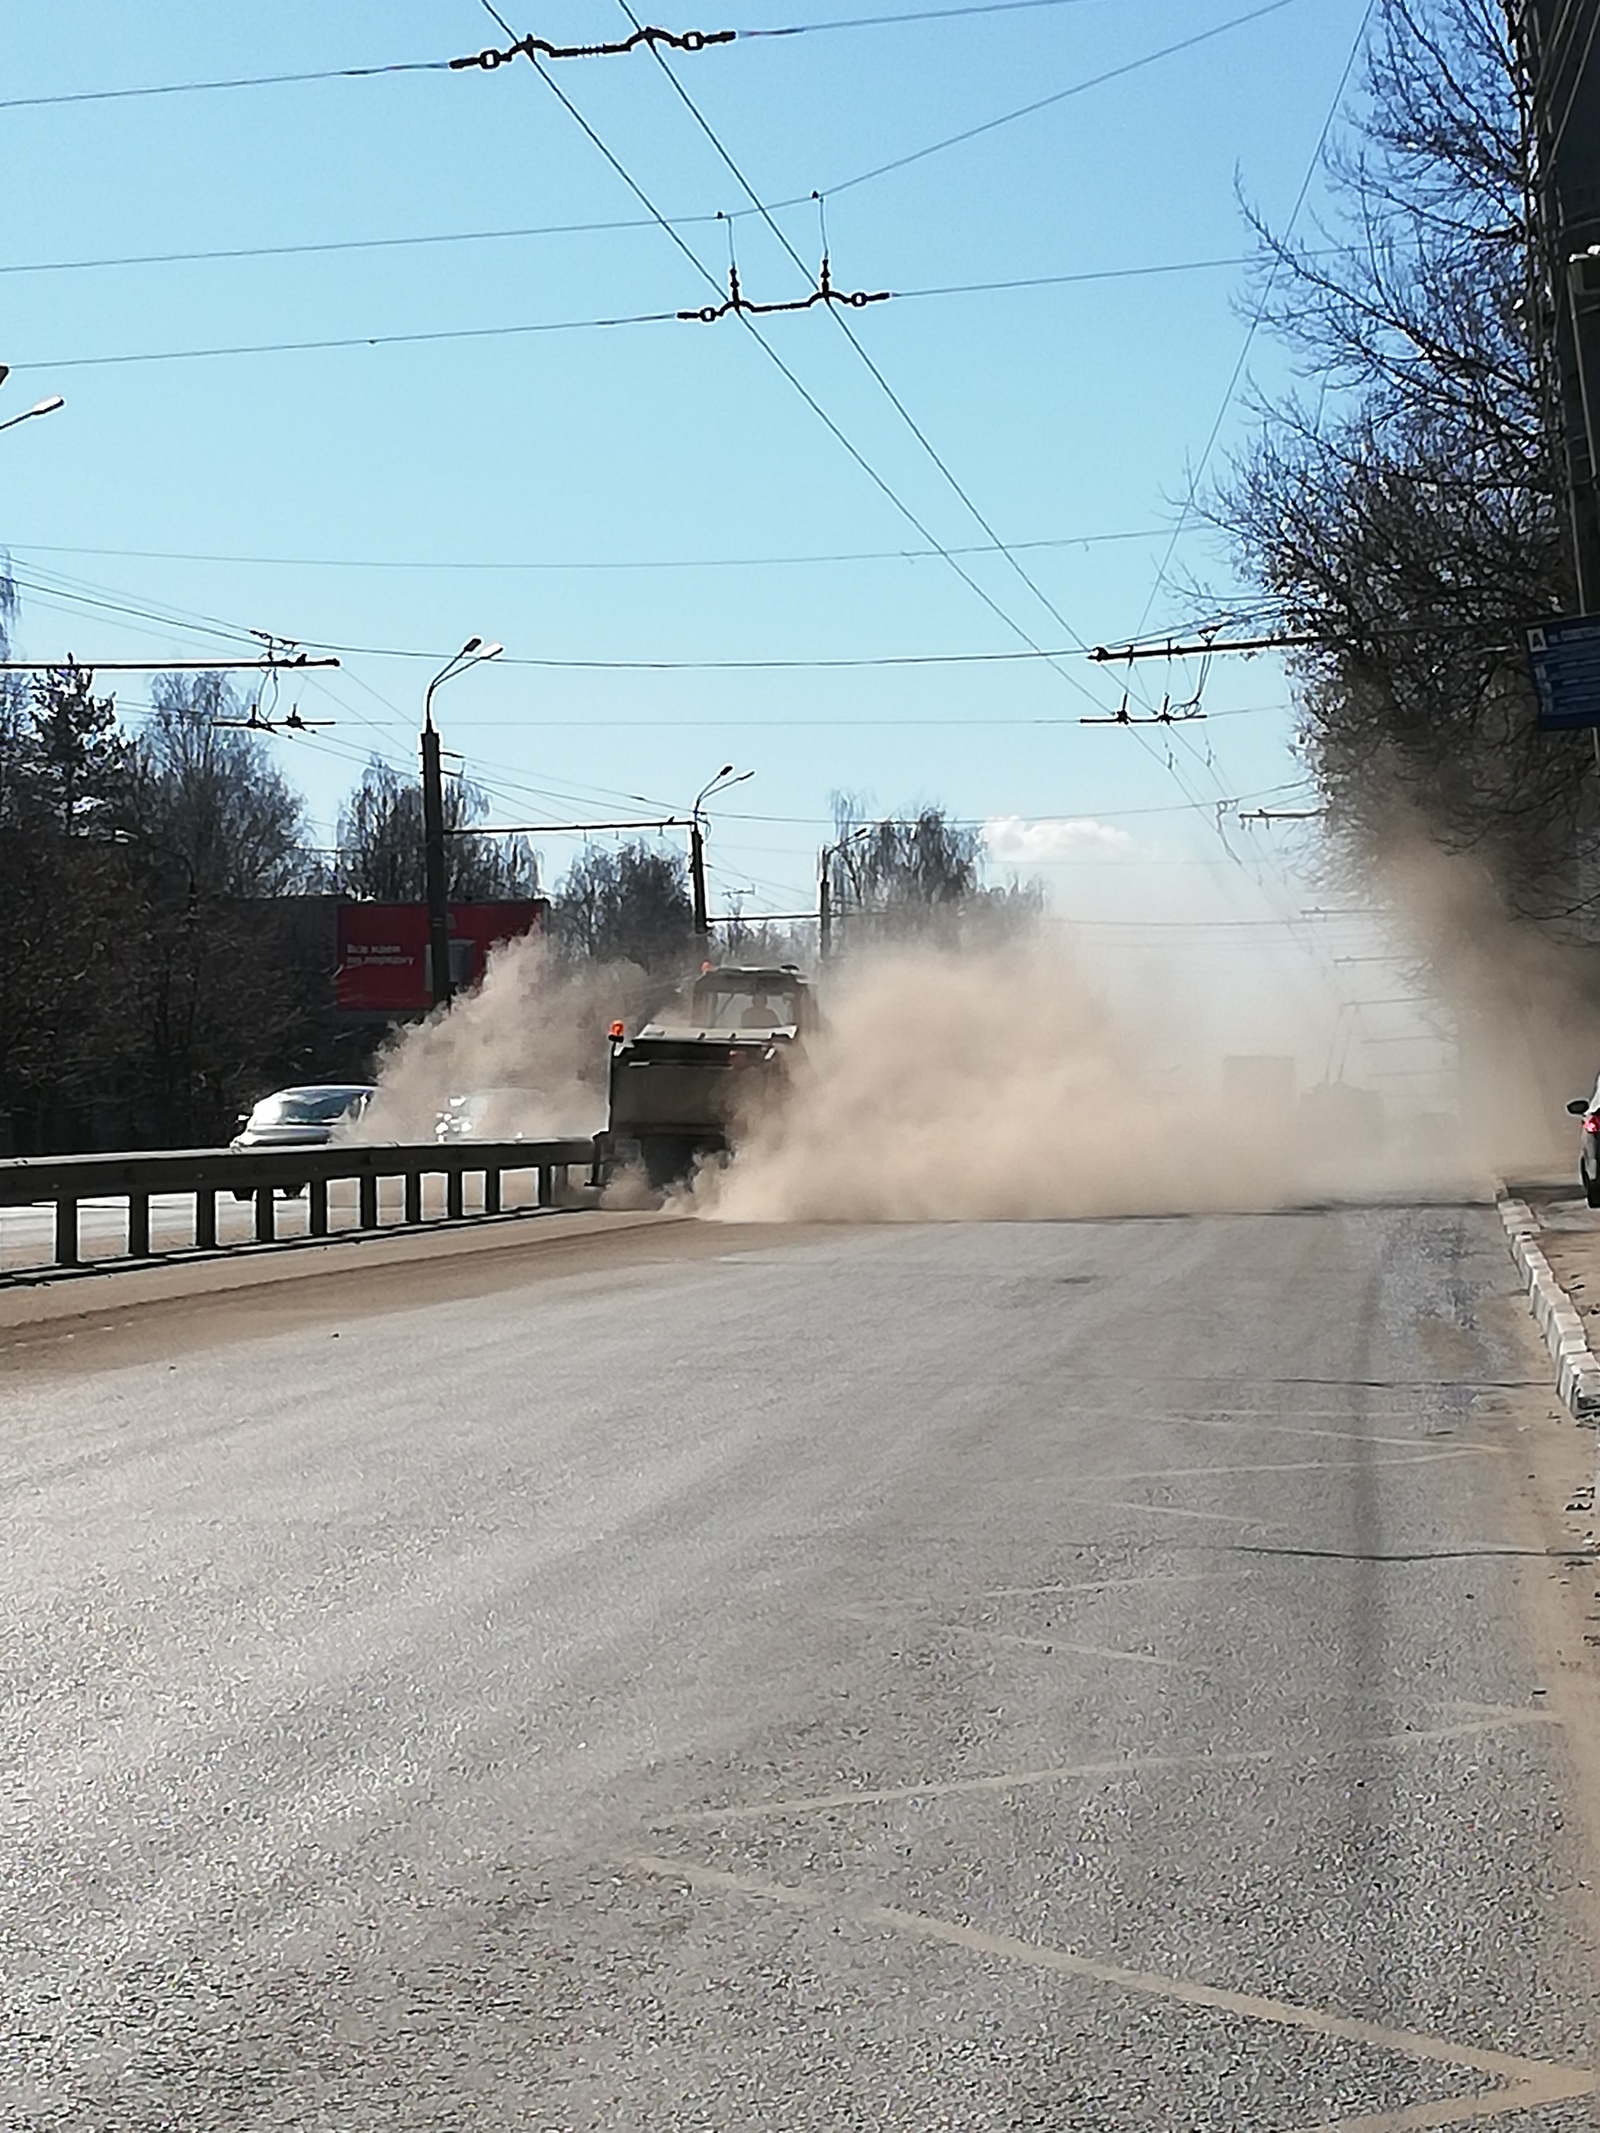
<point x="1006" y="1086"/>
<point x="525" y="1050"/>
<point x="1035" y="1083"/>
<point x="1048" y="1076"/>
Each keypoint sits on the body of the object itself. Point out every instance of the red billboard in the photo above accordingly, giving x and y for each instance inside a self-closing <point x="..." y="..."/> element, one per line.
<point x="384" y="964"/>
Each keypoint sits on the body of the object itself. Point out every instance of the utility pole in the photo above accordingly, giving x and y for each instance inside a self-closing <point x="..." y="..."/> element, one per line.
<point x="697" y="876"/>
<point x="725" y="777"/>
<point x="433" y="867"/>
<point x="1559" y="47"/>
<point x="434" y="875"/>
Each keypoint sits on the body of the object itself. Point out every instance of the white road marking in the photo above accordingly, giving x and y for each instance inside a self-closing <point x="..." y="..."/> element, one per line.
<point x="1119" y="1766"/>
<point x="1529" y="2083"/>
<point x="1061" y="1644"/>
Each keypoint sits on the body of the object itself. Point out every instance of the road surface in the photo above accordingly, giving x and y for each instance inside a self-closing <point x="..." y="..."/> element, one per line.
<point x="1038" y="1678"/>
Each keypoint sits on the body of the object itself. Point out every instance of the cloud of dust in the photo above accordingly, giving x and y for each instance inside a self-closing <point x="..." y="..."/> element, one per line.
<point x="951" y="1087"/>
<point x="1038" y="1078"/>
<point x="1523" y="1001"/>
<point x="1023" y="1084"/>
<point x="528" y="1044"/>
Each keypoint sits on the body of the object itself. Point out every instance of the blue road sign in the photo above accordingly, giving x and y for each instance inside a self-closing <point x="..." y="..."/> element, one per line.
<point x="1565" y="659"/>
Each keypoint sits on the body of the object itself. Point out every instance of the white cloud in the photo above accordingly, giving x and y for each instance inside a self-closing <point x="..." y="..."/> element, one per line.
<point x="1012" y="840"/>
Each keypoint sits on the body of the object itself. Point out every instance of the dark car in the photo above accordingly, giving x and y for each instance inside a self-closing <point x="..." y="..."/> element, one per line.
<point x="1588" y="1109"/>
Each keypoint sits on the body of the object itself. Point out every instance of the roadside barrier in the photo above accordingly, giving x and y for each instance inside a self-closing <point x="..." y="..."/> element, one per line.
<point x="264" y="1176"/>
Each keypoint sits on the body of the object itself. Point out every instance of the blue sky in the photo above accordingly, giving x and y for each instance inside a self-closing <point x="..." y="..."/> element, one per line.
<point x="643" y="492"/>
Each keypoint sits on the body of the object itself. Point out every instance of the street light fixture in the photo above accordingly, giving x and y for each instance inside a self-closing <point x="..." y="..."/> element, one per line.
<point x="142" y="840"/>
<point x="473" y="653"/>
<point x="724" y="779"/>
<point x="40" y="407"/>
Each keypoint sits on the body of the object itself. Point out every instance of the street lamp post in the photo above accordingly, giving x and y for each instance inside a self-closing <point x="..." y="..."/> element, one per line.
<point x="697" y="843"/>
<point x="825" y="913"/>
<point x="440" y="987"/>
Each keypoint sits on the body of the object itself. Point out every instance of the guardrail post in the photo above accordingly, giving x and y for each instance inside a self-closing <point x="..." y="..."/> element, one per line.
<point x="260" y="1180"/>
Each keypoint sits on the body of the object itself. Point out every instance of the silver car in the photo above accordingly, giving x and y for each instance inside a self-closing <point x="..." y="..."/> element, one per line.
<point x="306" y="1117"/>
<point x="303" y="1118"/>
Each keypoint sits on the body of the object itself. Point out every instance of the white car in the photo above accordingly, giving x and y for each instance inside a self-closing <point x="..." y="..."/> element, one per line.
<point x="488" y="1115"/>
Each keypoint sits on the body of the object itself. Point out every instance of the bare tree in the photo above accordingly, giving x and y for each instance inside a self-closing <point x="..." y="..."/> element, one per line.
<point x="629" y="904"/>
<point x="921" y="875"/>
<point x="380" y="844"/>
<point x="212" y="794"/>
<point x="1402" y="508"/>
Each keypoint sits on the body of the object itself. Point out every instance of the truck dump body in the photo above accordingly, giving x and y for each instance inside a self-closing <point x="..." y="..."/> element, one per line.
<point x="674" y="1084"/>
<point x="684" y="1085"/>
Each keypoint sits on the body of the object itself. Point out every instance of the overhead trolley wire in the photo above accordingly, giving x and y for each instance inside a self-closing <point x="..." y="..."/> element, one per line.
<point x="772" y="355"/>
<point x="576" y="229"/>
<point x="1047" y="653"/>
<point x="845" y="327"/>
<point x="918" y="155"/>
<point x="1058" y="96"/>
<point x="1259" y="312"/>
<point x="1206" y="764"/>
<point x="349" y="340"/>
<point x="571" y="325"/>
<point x="925" y="14"/>
<point x="420" y="337"/>
<point x="57" y="590"/>
<point x="781" y="724"/>
<point x="703" y="41"/>
<point x="723" y="562"/>
<point x="250" y="81"/>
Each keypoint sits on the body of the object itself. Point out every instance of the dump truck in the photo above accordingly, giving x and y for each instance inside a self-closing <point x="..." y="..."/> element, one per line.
<point x="691" y="1077"/>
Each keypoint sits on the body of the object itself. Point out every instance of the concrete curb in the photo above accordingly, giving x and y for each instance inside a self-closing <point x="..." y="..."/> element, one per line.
<point x="1577" y="1366"/>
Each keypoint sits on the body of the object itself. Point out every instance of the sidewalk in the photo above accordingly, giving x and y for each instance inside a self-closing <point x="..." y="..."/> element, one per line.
<point x="1569" y="1237"/>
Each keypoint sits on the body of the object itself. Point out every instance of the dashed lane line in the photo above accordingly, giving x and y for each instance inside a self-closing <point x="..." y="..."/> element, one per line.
<point x="1115" y="1767"/>
<point x="1061" y="1644"/>
<point x="1445" y="1455"/>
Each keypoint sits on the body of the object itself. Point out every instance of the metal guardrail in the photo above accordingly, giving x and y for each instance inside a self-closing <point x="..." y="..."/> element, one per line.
<point x="263" y="1174"/>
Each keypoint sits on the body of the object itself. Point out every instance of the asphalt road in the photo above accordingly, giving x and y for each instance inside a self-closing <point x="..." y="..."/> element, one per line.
<point x="1083" y="1678"/>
